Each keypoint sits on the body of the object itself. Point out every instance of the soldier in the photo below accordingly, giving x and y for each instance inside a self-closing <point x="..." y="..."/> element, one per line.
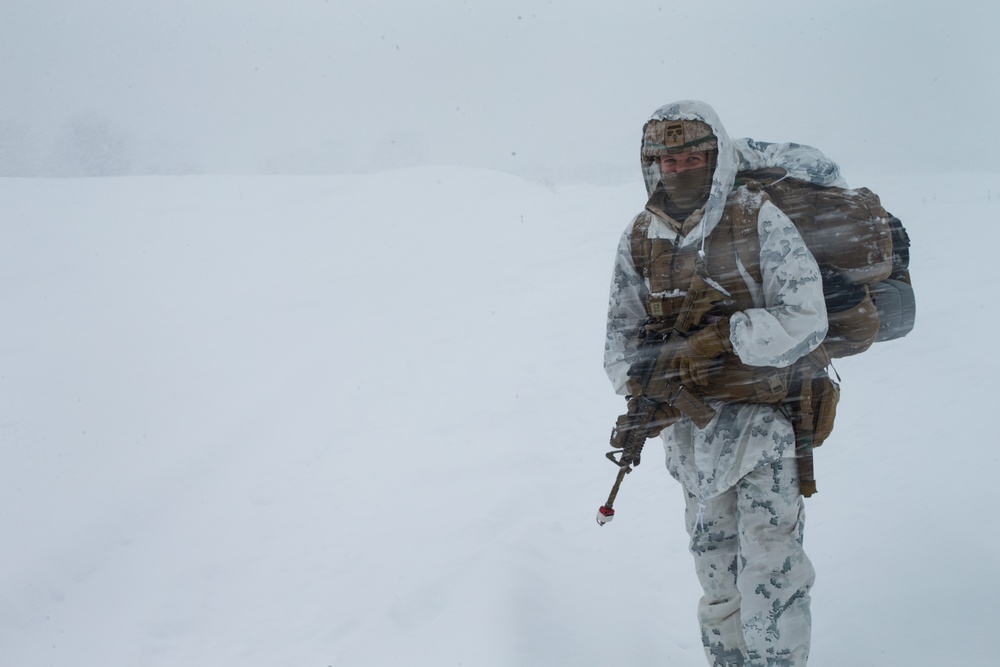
<point x="744" y="511"/>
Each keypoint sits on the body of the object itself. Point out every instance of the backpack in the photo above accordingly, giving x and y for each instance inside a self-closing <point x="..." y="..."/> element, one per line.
<point x="863" y="255"/>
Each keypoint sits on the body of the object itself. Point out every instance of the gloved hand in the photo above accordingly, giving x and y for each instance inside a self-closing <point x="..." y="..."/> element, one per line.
<point x="655" y="361"/>
<point x="624" y="435"/>
<point x="693" y="359"/>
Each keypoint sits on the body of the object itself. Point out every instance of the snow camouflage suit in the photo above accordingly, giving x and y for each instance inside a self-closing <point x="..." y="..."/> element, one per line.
<point x="744" y="513"/>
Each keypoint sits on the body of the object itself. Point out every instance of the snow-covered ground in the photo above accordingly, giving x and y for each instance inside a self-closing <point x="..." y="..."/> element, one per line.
<point x="360" y="421"/>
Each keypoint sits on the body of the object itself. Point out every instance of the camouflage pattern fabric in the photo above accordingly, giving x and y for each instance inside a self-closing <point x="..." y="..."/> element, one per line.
<point x="797" y="160"/>
<point x="744" y="511"/>
<point x="747" y="548"/>
<point x="787" y="321"/>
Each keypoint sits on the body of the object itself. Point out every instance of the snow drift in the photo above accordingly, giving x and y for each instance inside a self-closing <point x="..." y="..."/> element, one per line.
<point x="360" y="420"/>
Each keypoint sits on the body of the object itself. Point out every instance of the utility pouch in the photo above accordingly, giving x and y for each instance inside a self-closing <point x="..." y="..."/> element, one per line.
<point x="811" y="408"/>
<point x="825" y="396"/>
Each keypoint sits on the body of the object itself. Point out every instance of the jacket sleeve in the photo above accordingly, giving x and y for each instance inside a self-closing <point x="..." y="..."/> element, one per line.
<point x="626" y="313"/>
<point x="798" y="160"/>
<point x="792" y="321"/>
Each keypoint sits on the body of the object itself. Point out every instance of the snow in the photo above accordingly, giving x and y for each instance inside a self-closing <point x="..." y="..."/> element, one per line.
<point x="360" y="420"/>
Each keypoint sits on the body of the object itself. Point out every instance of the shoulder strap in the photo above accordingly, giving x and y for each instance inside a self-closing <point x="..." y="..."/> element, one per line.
<point x="639" y="242"/>
<point x="745" y="237"/>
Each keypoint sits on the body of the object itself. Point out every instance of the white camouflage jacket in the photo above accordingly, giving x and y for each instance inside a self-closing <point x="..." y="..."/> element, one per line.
<point x="787" y="322"/>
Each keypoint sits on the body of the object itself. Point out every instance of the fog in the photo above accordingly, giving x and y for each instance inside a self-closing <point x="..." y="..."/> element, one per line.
<point x="552" y="91"/>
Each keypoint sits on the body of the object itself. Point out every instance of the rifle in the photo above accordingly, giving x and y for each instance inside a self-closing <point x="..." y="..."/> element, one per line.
<point x="653" y="360"/>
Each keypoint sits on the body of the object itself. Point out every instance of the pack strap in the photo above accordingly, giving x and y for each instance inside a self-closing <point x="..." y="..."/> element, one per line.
<point x="745" y="237"/>
<point x="639" y="244"/>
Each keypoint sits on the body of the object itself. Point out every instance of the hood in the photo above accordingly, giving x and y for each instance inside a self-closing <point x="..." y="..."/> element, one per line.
<point x="725" y="168"/>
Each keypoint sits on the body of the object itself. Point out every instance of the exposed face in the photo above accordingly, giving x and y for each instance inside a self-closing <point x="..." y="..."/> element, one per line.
<point x="681" y="162"/>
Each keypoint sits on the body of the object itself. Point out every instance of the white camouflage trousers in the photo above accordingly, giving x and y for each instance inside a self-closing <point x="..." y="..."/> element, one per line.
<point x="747" y="547"/>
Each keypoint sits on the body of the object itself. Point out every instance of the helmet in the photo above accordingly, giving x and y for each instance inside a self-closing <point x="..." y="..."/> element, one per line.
<point x="666" y="137"/>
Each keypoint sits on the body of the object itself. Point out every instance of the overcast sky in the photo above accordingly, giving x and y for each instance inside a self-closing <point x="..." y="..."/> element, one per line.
<point x="551" y="90"/>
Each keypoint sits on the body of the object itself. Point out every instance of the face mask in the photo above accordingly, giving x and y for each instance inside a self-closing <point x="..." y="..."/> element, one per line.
<point x="689" y="190"/>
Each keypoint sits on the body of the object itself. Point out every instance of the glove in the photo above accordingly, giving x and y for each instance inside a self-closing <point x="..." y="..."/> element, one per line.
<point x="624" y="435"/>
<point x="655" y="360"/>
<point x="694" y="358"/>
